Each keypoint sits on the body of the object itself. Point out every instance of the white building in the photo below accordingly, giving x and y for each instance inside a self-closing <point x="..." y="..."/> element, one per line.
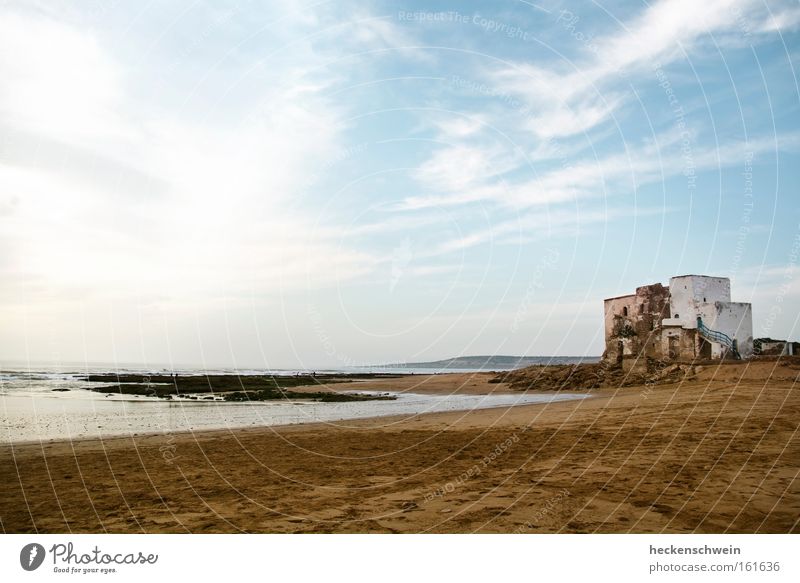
<point x="707" y="300"/>
<point x="692" y="319"/>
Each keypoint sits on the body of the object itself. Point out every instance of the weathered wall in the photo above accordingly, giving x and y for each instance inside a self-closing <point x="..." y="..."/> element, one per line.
<point x="679" y="343"/>
<point x="615" y="323"/>
<point x="689" y="292"/>
<point x="661" y="322"/>
<point x="633" y="323"/>
<point x="770" y="347"/>
<point x="734" y="319"/>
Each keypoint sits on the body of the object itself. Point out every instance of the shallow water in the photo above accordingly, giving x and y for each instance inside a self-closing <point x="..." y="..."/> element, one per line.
<point x="51" y="404"/>
<point x="40" y="414"/>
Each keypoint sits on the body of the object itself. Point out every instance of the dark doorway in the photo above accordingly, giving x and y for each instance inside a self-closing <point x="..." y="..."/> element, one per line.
<point x="673" y="344"/>
<point x="704" y="353"/>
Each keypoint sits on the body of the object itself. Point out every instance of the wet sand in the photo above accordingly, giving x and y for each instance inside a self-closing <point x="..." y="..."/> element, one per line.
<point x="718" y="454"/>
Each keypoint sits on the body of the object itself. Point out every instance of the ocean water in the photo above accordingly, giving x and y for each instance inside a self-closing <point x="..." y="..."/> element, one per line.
<point x="31" y="410"/>
<point x="67" y="370"/>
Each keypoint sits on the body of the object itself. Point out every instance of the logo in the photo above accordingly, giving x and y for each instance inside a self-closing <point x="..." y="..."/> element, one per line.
<point x="31" y="556"/>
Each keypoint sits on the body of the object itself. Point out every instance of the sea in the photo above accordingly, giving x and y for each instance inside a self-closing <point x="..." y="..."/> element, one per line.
<point x="40" y="403"/>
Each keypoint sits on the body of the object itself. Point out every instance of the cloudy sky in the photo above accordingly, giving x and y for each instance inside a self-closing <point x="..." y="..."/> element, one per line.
<point x="293" y="184"/>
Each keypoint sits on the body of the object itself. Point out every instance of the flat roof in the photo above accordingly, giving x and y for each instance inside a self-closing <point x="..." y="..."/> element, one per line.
<point x="697" y="275"/>
<point x="658" y="282"/>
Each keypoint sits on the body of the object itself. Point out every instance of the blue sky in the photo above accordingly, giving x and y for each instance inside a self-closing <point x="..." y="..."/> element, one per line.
<point x="295" y="184"/>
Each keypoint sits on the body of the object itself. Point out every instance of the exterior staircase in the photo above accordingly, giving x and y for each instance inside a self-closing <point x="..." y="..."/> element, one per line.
<point x="719" y="338"/>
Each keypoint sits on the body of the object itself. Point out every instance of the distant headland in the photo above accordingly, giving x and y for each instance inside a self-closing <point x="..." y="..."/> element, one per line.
<point x="493" y="362"/>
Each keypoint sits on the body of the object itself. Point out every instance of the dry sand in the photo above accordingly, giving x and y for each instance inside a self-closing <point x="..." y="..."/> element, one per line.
<point x="718" y="454"/>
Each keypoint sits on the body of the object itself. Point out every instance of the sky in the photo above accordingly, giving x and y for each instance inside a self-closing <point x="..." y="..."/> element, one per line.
<point x="307" y="185"/>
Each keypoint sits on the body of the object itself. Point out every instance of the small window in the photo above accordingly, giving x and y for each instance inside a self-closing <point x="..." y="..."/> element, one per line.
<point x="677" y="316"/>
<point x="704" y="299"/>
<point x="625" y="311"/>
<point x="641" y="308"/>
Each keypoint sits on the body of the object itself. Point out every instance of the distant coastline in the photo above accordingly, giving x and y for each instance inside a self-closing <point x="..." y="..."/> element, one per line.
<point x="486" y="362"/>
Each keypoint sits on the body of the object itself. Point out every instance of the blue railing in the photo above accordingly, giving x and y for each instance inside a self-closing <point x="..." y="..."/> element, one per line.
<point x="718" y="337"/>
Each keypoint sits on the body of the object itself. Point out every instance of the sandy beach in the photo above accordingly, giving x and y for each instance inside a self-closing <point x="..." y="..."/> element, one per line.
<point x="719" y="453"/>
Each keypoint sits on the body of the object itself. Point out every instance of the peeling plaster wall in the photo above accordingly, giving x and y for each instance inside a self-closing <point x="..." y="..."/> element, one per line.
<point x="661" y="322"/>
<point x="633" y="323"/>
<point x="734" y="319"/>
<point x="683" y="344"/>
<point x="689" y="292"/>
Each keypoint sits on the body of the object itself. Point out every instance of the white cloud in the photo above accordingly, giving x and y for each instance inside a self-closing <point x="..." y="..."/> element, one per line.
<point x="57" y="80"/>
<point x="574" y="100"/>
<point x="379" y="32"/>
<point x="579" y="97"/>
<point x="459" y="167"/>
<point x="562" y="121"/>
<point x="534" y="226"/>
<point x="662" y="33"/>
<point x="221" y="218"/>
<point x="453" y="128"/>
<point x="784" y="20"/>
<point x="607" y="176"/>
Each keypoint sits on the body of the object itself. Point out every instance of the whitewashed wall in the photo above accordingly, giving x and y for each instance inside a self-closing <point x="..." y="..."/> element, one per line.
<point x="734" y="319"/>
<point x="689" y="292"/>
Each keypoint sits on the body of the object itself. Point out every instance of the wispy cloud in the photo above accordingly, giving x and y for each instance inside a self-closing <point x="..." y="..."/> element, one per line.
<point x="582" y="96"/>
<point x="562" y="102"/>
<point x="537" y="226"/>
<point x="611" y="175"/>
<point x="784" y="19"/>
<point x="460" y="167"/>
